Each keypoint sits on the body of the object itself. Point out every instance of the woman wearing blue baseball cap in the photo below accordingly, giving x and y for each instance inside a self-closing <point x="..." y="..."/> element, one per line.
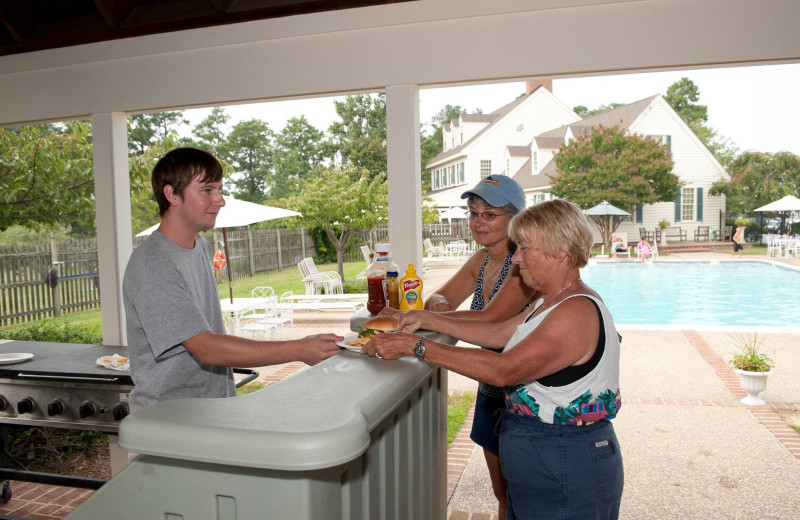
<point x="498" y="293"/>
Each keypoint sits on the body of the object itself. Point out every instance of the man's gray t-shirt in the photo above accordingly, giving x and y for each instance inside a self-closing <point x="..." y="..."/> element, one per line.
<point x="170" y="296"/>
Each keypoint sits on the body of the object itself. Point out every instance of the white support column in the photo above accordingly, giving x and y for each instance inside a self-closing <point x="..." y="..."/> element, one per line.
<point x="405" y="184"/>
<point x="113" y="205"/>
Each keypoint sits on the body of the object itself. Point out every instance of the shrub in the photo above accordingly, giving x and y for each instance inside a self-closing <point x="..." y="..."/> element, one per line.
<point x="354" y="287"/>
<point x="56" y="331"/>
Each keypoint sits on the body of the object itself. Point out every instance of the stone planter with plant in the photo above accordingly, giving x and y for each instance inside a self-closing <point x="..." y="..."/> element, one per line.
<point x="663" y="224"/>
<point x="753" y="367"/>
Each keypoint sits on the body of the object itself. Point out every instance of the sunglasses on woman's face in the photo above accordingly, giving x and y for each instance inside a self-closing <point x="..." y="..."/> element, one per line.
<point x="487" y="216"/>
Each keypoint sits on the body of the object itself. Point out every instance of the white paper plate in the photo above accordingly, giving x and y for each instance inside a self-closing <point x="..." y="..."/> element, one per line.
<point x="7" y="359"/>
<point x="345" y="346"/>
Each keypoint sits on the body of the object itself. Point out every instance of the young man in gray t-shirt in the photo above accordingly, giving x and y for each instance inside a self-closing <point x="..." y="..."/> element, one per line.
<point x="176" y="336"/>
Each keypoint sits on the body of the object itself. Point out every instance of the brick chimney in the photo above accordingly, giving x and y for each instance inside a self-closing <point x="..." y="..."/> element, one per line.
<point x="530" y="86"/>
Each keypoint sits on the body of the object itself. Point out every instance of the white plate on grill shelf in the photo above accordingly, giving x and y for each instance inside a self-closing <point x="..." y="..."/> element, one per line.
<point x="7" y="359"/>
<point x="351" y="348"/>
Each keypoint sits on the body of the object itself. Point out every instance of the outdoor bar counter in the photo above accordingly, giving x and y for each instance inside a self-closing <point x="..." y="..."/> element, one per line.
<point x="353" y="437"/>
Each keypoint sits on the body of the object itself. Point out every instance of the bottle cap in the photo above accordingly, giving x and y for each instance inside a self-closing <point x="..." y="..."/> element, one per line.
<point x="382" y="247"/>
<point x="391" y="274"/>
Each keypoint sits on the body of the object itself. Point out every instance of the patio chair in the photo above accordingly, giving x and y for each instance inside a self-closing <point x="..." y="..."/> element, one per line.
<point x="286" y="310"/>
<point x="262" y="320"/>
<point x="701" y="233"/>
<point x="317" y="281"/>
<point x="262" y="292"/>
<point x="648" y="235"/>
<point x="365" y="251"/>
<point x="727" y="233"/>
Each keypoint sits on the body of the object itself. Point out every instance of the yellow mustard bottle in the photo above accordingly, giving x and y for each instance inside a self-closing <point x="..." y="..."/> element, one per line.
<point x="410" y="290"/>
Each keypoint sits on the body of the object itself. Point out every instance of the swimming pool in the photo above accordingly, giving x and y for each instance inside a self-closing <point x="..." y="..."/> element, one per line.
<point x="701" y="295"/>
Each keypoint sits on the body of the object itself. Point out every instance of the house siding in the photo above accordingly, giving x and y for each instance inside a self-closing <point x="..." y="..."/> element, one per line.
<point x="694" y="165"/>
<point x="540" y="112"/>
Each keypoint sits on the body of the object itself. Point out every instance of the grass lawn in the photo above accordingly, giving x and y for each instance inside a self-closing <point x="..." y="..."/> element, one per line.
<point x="457" y="407"/>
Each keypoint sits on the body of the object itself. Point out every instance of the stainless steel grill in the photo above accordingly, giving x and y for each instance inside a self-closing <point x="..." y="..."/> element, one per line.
<point x="61" y="386"/>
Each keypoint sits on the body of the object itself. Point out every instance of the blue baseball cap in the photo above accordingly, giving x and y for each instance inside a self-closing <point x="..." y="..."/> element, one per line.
<point x="497" y="191"/>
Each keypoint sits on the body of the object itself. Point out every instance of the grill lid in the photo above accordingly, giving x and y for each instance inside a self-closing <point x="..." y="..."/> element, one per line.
<point x="64" y="360"/>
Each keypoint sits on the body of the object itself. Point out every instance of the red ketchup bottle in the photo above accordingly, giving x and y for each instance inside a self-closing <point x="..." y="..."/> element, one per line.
<point x="376" y="274"/>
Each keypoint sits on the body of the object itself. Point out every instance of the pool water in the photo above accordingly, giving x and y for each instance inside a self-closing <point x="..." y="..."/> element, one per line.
<point x="702" y="295"/>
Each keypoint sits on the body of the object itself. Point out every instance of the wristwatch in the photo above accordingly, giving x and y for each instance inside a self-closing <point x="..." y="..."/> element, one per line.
<point x="419" y="349"/>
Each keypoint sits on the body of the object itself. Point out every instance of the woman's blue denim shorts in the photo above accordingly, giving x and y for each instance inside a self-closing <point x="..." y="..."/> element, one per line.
<point x="560" y="472"/>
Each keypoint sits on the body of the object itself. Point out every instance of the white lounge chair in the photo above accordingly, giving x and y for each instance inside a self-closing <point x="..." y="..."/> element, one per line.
<point x="624" y="237"/>
<point x="317" y="281"/>
<point x="365" y="251"/>
<point x="432" y="251"/>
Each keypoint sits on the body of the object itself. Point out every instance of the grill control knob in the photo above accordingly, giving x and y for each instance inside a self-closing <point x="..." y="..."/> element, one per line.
<point x="3" y="403"/>
<point x="55" y="407"/>
<point x="120" y="411"/>
<point x="27" y="405"/>
<point x="87" y="409"/>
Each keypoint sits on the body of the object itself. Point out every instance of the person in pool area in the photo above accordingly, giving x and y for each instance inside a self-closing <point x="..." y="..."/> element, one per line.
<point x="497" y="292"/>
<point x="738" y="240"/>
<point x="559" y="369"/>
<point x="644" y="248"/>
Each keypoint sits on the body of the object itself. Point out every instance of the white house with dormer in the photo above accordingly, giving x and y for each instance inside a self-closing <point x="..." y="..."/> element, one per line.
<point x="475" y="145"/>
<point x="500" y="147"/>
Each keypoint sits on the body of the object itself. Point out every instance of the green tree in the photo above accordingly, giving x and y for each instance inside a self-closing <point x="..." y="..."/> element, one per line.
<point x="607" y="164"/>
<point x="46" y="175"/>
<point x="340" y="206"/>
<point x="298" y="152"/>
<point x="584" y="111"/>
<point x="359" y="140"/>
<point x="759" y="178"/>
<point x="682" y="96"/>
<point x="250" y="150"/>
<point x="211" y="132"/>
<point x="144" y="130"/>
<point x="431" y="144"/>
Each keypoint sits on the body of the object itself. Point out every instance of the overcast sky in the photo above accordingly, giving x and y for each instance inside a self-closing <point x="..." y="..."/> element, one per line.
<point x="755" y="107"/>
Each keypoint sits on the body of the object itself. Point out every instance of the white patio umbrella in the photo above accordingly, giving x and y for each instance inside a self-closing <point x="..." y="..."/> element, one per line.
<point x="237" y="213"/>
<point x="786" y="205"/>
<point x="602" y="215"/>
<point x="455" y="212"/>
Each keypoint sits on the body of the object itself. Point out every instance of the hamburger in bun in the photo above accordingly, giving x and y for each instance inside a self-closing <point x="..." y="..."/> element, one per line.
<point x="382" y="324"/>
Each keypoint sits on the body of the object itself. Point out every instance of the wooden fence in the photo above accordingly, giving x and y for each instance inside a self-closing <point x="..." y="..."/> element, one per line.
<point x="26" y="295"/>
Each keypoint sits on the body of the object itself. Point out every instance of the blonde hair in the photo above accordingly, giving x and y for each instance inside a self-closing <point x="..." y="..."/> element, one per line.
<point x="556" y="226"/>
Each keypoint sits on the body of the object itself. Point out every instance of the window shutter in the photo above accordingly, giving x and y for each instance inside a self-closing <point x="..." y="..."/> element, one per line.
<point x="639" y="214"/>
<point x="699" y="204"/>
<point x="678" y="207"/>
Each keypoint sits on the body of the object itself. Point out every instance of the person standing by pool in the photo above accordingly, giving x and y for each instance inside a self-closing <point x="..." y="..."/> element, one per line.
<point x="559" y="368"/>
<point x="738" y="240"/>
<point x="644" y="248"/>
